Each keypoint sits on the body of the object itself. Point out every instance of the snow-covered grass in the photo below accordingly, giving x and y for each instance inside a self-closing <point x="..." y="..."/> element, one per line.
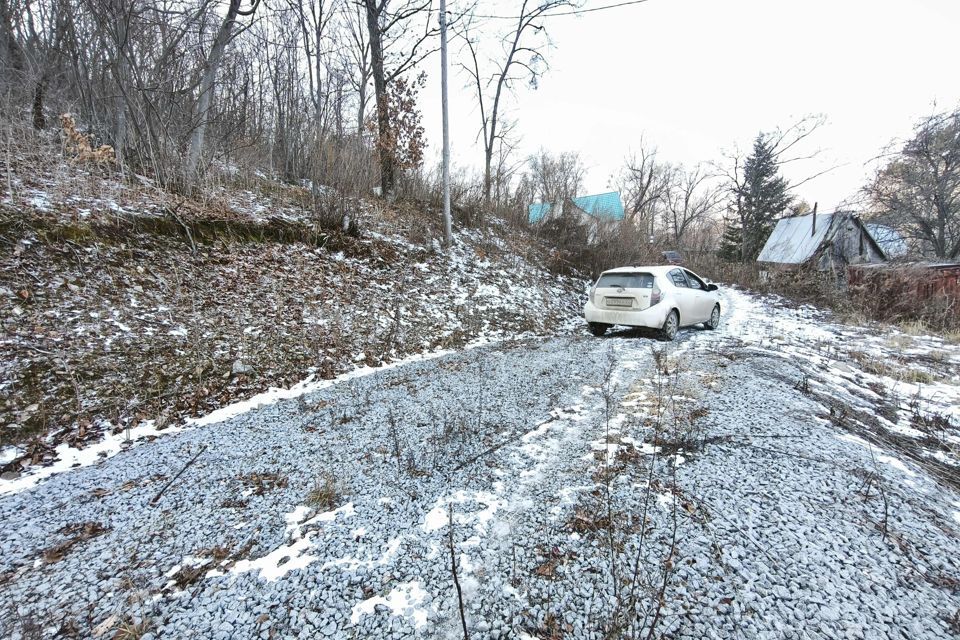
<point x="903" y="391"/>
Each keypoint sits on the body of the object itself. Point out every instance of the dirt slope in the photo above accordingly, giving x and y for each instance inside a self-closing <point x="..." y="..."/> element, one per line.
<point x="133" y="315"/>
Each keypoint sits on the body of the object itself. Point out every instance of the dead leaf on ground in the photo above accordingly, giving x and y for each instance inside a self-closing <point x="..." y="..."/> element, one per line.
<point x="80" y="532"/>
<point x="547" y="569"/>
<point x="104" y="626"/>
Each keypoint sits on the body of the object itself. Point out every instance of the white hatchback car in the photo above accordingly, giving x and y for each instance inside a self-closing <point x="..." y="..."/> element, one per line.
<point x="665" y="298"/>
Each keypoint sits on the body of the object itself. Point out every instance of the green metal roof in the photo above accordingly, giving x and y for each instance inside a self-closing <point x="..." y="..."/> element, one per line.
<point x="602" y="205"/>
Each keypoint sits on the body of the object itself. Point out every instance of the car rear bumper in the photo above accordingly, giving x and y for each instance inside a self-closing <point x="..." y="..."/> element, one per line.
<point x="652" y="317"/>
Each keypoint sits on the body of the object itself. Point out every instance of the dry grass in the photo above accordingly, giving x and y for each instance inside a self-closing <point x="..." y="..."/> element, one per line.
<point x="896" y="369"/>
<point x="899" y="341"/>
<point x="325" y="494"/>
<point x="130" y="630"/>
<point x="913" y="327"/>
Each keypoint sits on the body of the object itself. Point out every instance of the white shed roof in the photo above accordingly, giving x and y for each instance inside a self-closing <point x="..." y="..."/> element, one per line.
<point x="794" y="240"/>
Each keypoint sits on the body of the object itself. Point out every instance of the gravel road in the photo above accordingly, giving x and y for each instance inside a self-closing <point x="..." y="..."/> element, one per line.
<point x="698" y="489"/>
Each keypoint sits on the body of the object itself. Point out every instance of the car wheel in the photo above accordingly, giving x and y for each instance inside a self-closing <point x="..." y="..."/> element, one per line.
<point x="714" y="320"/>
<point x="598" y="329"/>
<point x="670" y="326"/>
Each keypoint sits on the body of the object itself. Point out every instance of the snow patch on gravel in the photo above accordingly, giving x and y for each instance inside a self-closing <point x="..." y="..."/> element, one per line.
<point x="404" y="600"/>
<point x="281" y="560"/>
<point x="896" y="464"/>
<point x="69" y="457"/>
<point x="438" y="517"/>
<point x="293" y="555"/>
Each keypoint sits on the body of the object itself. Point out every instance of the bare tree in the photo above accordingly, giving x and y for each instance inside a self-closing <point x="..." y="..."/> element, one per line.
<point x="11" y="53"/>
<point x="556" y="178"/>
<point x="690" y="200"/>
<point x="521" y="60"/>
<point x="918" y="190"/>
<point x="224" y="35"/>
<point x="506" y="164"/>
<point x="357" y="56"/>
<point x="389" y="23"/>
<point x="172" y="84"/>
<point x="643" y="183"/>
<point x="314" y="18"/>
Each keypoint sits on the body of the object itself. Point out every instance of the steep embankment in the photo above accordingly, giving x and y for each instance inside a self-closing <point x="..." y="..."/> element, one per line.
<point x="123" y="307"/>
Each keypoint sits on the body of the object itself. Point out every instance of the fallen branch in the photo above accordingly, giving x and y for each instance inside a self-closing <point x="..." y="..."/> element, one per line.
<point x="173" y="214"/>
<point x="179" y="473"/>
<point x="453" y="570"/>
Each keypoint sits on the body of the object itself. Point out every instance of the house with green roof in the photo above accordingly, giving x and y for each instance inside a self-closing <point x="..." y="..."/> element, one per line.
<point x="601" y="207"/>
<point x="592" y="210"/>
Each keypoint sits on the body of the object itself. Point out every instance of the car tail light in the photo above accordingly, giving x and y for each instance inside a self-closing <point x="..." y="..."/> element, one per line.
<point x="592" y="290"/>
<point x="655" y="296"/>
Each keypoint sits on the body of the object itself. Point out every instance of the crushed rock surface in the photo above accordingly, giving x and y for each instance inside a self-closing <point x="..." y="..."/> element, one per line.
<point x="698" y="489"/>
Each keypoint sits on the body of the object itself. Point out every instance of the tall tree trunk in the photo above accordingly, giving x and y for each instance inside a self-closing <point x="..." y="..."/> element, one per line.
<point x="743" y="228"/>
<point x="487" y="179"/>
<point x="39" y="120"/>
<point x="362" y="106"/>
<point x="361" y="110"/>
<point x="206" y="89"/>
<point x="11" y="55"/>
<point x="122" y="71"/>
<point x="387" y="183"/>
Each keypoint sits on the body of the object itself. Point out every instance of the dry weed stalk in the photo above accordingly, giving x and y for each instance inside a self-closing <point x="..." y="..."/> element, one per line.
<point x="608" y="390"/>
<point x="652" y="581"/>
<point x="325" y="494"/>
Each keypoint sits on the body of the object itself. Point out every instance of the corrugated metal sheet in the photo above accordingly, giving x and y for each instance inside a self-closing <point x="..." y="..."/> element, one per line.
<point x="794" y="240"/>
<point x="601" y="205"/>
<point x="538" y="211"/>
<point x="889" y="240"/>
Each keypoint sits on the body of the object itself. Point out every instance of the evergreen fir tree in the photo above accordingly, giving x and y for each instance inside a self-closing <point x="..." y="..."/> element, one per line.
<point x="761" y="198"/>
<point x="765" y="197"/>
<point x="731" y="242"/>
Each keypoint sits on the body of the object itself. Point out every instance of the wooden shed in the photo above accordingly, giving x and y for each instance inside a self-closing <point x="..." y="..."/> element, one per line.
<point x="829" y="241"/>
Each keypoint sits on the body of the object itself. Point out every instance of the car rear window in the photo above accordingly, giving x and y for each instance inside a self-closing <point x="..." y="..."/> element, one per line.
<point x="626" y="280"/>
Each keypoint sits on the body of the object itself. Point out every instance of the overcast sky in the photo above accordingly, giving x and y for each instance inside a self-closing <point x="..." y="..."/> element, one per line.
<point x="697" y="77"/>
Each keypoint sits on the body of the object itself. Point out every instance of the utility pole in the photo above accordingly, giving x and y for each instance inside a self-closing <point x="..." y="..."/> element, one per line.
<point x="447" y="230"/>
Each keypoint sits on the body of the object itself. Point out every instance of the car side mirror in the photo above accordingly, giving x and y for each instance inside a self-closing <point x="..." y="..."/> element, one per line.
<point x="712" y="287"/>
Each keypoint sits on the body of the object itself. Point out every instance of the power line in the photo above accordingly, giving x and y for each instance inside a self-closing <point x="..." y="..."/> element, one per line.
<point x="575" y="12"/>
